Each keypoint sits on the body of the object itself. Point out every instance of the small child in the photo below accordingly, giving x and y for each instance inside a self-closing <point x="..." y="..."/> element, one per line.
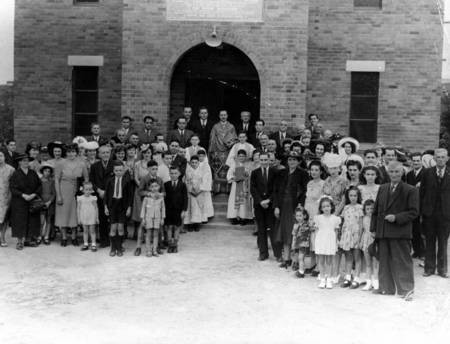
<point x="48" y="195"/>
<point x="368" y="238"/>
<point x="206" y="187"/>
<point x="118" y="199"/>
<point x="300" y="239"/>
<point x="351" y="236"/>
<point x="87" y="211"/>
<point x="176" y="202"/>
<point x="153" y="213"/>
<point x="326" y="224"/>
<point x="195" y="214"/>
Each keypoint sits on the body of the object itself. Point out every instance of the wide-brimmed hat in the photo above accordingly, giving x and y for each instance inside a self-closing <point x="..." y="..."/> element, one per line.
<point x="46" y="165"/>
<point x="80" y="141"/>
<point x="32" y="145"/>
<point x="294" y="155"/>
<point x="55" y="144"/>
<point x="351" y="140"/>
<point x="331" y="160"/>
<point x="355" y="157"/>
<point x="21" y="156"/>
<point x="91" y="145"/>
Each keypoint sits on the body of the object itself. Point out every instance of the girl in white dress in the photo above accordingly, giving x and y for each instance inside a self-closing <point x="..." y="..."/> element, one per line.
<point x="242" y="144"/>
<point x="87" y="211"/>
<point x="326" y="225"/>
<point x="206" y="186"/>
<point x="367" y="239"/>
<point x="239" y="204"/>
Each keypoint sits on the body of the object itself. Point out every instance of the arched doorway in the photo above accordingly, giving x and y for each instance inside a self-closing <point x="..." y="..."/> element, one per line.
<point x="218" y="78"/>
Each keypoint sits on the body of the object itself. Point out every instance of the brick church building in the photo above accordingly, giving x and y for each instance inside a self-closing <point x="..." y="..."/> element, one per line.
<point x="369" y="68"/>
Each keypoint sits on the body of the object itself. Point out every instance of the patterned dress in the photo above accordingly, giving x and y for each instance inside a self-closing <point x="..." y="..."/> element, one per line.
<point x="336" y="190"/>
<point x="351" y="229"/>
<point x="367" y="238"/>
<point x="301" y="235"/>
<point x="6" y="171"/>
<point x="368" y="192"/>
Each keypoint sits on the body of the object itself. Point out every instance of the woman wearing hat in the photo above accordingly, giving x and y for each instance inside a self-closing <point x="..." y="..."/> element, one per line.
<point x="67" y="175"/>
<point x="290" y="191"/>
<point x="6" y="171"/>
<point x="25" y="186"/>
<point x="91" y="153"/>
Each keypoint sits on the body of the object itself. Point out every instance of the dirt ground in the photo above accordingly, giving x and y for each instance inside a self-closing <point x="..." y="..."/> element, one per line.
<point x="213" y="291"/>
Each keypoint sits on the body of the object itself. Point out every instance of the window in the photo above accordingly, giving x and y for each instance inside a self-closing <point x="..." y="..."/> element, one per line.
<point x="367" y="3"/>
<point x="364" y="106"/>
<point x="85" y="99"/>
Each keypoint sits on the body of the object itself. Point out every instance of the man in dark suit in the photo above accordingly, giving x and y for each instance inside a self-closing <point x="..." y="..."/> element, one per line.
<point x="389" y="155"/>
<point x="11" y="154"/>
<point x="100" y="172"/>
<point x="262" y="182"/>
<point x="177" y="159"/>
<point x="245" y="125"/>
<point x="127" y="126"/>
<point x="435" y="208"/>
<point x="396" y="207"/>
<point x="255" y="137"/>
<point x="181" y="134"/>
<point x="96" y="135"/>
<point x="147" y="134"/>
<point x="414" y="178"/>
<point x="280" y="135"/>
<point x="202" y="127"/>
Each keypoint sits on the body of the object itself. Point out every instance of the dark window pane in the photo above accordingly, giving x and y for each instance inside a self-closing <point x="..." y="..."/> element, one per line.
<point x="364" y="107"/>
<point x="364" y="131"/>
<point x="85" y="102"/>
<point x="365" y="83"/>
<point x="367" y="3"/>
<point x="82" y="124"/>
<point x="85" y="78"/>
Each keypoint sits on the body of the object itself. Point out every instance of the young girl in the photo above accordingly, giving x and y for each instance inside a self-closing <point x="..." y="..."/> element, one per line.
<point x="87" y="211"/>
<point x="239" y="206"/>
<point x="368" y="238"/>
<point x="314" y="191"/>
<point x="153" y="214"/>
<point x="351" y="236"/>
<point x="300" y="239"/>
<point x="326" y="225"/>
<point x="369" y="187"/>
<point x="48" y="195"/>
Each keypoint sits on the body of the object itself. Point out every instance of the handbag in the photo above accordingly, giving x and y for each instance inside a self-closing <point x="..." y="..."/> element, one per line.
<point x="36" y="205"/>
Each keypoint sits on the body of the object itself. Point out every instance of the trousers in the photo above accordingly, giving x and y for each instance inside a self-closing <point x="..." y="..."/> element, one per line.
<point x="264" y="220"/>
<point x="436" y="232"/>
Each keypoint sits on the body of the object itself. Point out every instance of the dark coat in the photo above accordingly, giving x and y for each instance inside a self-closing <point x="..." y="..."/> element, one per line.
<point x="258" y="188"/>
<point x="254" y="140"/>
<point x="276" y="136"/>
<point x="98" y="175"/>
<point x="127" y="192"/>
<point x="297" y="190"/>
<point x="146" y="138"/>
<point x="102" y="140"/>
<point x="404" y="204"/>
<point x="411" y="178"/>
<point x="250" y="129"/>
<point x="176" y="201"/>
<point x="430" y="190"/>
<point x="181" y="163"/>
<point x="11" y="159"/>
<point x="23" y="223"/>
<point x="183" y="140"/>
<point x="203" y="132"/>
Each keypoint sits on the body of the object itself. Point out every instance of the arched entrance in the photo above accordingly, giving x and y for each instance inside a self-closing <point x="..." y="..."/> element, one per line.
<point x="218" y="78"/>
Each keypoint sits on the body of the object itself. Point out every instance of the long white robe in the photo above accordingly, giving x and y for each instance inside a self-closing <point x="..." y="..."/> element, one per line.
<point x="195" y="212"/>
<point x="206" y="188"/>
<point x="245" y="209"/>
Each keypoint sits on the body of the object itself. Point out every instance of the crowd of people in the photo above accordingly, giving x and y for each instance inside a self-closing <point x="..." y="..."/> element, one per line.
<point x="312" y="192"/>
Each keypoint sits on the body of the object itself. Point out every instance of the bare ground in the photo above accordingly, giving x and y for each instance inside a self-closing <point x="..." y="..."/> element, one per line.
<point x="213" y="291"/>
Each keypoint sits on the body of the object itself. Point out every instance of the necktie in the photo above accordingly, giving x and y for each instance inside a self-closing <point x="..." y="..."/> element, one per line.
<point x="174" y="184"/>
<point x="440" y="174"/>
<point x="392" y="189"/>
<point x="245" y="127"/>
<point x="265" y="175"/>
<point x="203" y="123"/>
<point x="116" y="192"/>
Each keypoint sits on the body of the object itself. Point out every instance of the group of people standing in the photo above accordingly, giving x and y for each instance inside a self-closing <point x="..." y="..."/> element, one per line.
<point x="311" y="193"/>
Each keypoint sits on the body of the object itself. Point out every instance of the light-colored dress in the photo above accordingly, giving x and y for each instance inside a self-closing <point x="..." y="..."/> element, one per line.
<point x="368" y="192"/>
<point x="140" y="171"/>
<point x="68" y="172"/>
<point x="314" y="191"/>
<point x="336" y="190"/>
<point x="367" y="238"/>
<point x="191" y="151"/>
<point x="206" y="187"/>
<point x="351" y="228"/>
<point x="87" y="210"/>
<point x="194" y="180"/>
<point x="163" y="172"/>
<point x="325" y="242"/>
<point x="239" y="203"/>
<point x="6" y="171"/>
<point x="152" y="212"/>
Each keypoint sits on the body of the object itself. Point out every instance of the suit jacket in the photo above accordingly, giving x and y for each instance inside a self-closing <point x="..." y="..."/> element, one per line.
<point x="384" y="176"/>
<point x="203" y="132"/>
<point x="254" y="140"/>
<point x="146" y="138"/>
<point x="101" y="140"/>
<point x="276" y="136"/>
<point x="98" y="175"/>
<point x="430" y="190"/>
<point x="176" y="198"/>
<point x="181" y="162"/>
<point x="412" y="179"/>
<point x="175" y="135"/>
<point x="403" y="203"/>
<point x="258" y="187"/>
<point x="297" y="187"/>
<point x="127" y="192"/>
<point x="250" y="130"/>
<point x="11" y="159"/>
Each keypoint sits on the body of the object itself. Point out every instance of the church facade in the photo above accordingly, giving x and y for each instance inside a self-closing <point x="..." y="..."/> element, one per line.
<point x="368" y="68"/>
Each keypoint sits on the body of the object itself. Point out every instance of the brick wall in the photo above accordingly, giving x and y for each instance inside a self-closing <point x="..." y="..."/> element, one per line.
<point x="46" y="32"/>
<point x="6" y="112"/>
<point x="405" y="34"/>
<point x="277" y="47"/>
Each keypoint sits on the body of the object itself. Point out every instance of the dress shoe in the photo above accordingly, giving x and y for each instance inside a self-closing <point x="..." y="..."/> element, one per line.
<point x="298" y="274"/>
<point x="347" y="283"/>
<point x="279" y="259"/>
<point x="427" y="274"/>
<point x="262" y="257"/>
<point x="112" y="253"/>
<point x="175" y="249"/>
<point x="295" y="266"/>
<point x="64" y="242"/>
<point x="407" y="296"/>
<point x="315" y="273"/>
<point x="285" y="264"/>
<point x="84" y="248"/>
<point x="137" y="251"/>
<point x="119" y="253"/>
<point x="443" y="275"/>
<point x="75" y="242"/>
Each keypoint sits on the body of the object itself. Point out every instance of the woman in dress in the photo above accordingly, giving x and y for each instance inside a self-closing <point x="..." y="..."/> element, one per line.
<point x="25" y="185"/>
<point x="57" y="152"/>
<point x="32" y="150"/>
<point x="67" y="179"/>
<point x="6" y="171"/>
<point x="290" y="191"/>
<point x="140" y="171"/>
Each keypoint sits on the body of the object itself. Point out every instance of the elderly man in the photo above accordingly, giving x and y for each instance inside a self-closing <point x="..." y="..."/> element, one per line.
<point x="245" y="125"/>
<point x="435" y="207"/>
<point x="396" y="207"/>
<point x="281" y="135"/>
